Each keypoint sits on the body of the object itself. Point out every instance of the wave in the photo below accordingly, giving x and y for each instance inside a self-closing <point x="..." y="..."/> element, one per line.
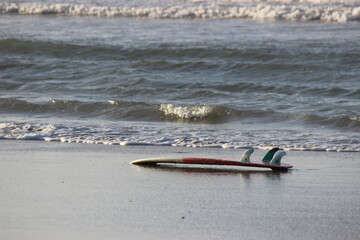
<point x="134" y="111"/>
<point x="266" y="52"/>
<point x="57" y="49"/>
<point x="198" y="113"/>
<point x="120" y="110"/>
<point x="179" y="57"/>
<point x="167" y="112"/>
<point x="138" y="53"/>
<point x="116" y="110"/>
<point x="335" y="11"/>
<point x="346" y="121"/>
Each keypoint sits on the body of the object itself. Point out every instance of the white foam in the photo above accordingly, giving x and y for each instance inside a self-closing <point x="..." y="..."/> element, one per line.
<point x="112" y="102"/>
<point x="308" y="10"/>
<point x="52" y="139"/>
<point x="186" y="112"/>
<point x="32" y="137"/>
<point x="186" y="136"/>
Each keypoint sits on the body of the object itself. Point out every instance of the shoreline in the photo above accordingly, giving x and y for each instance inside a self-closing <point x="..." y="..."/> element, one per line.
<point x="145" y="144"/>
<point x="52" y="190"/>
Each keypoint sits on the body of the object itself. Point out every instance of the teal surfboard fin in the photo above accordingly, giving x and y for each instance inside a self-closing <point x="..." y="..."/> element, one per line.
<point x="269" y="155"/>
<point x="246" y="155"/>
<point x="277" y="158"/>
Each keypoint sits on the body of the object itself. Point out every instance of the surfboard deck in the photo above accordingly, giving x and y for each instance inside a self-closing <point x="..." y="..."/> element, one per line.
<point x="212" y="161"/>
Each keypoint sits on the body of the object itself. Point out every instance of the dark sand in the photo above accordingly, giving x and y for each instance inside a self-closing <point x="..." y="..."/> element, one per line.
<point x="83" y="191"/>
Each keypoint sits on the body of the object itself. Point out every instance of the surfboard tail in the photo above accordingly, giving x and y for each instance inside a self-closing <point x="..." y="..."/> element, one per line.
<point x="269" y="155"/>
<point x="277" y="158"/>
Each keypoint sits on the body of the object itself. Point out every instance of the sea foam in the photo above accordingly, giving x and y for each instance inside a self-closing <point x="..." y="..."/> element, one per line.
<point x="186" y="112"/>
<point x="333" y="11"/>
<point x="181" y="136"/>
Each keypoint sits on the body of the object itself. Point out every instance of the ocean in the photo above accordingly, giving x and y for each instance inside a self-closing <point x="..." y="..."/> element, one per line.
<point x="223" y="74"/>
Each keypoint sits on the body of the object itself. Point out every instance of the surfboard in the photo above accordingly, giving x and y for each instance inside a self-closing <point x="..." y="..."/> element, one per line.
<point x="268" y="161"/>
<point x="211" y="161"/>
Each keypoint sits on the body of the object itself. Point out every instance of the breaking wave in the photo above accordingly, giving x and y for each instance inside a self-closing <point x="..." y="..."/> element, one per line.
<point x="166" y="112"/>
<point x="195" y="112"/>
<point x="333" y="11"/>
<point x="121" y="110"/>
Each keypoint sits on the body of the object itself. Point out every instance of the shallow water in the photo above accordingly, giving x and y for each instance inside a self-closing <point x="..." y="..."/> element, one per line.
<point x="213" y="82"/>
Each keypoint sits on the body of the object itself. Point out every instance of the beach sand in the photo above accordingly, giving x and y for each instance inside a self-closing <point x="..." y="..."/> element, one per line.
<point x="53" y="190"/>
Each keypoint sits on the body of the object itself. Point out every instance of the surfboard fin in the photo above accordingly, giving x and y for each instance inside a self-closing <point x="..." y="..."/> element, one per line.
<point x="277" y="158"/>
<point x="269" y="155"/>
<point x="246" y="155"/>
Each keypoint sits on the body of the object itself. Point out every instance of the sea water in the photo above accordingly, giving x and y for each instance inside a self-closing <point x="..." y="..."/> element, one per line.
<point x="228" y="74"/>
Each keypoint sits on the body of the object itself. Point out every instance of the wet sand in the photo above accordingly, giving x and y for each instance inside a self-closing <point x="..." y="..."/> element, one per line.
<point x="52" y="190"/>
